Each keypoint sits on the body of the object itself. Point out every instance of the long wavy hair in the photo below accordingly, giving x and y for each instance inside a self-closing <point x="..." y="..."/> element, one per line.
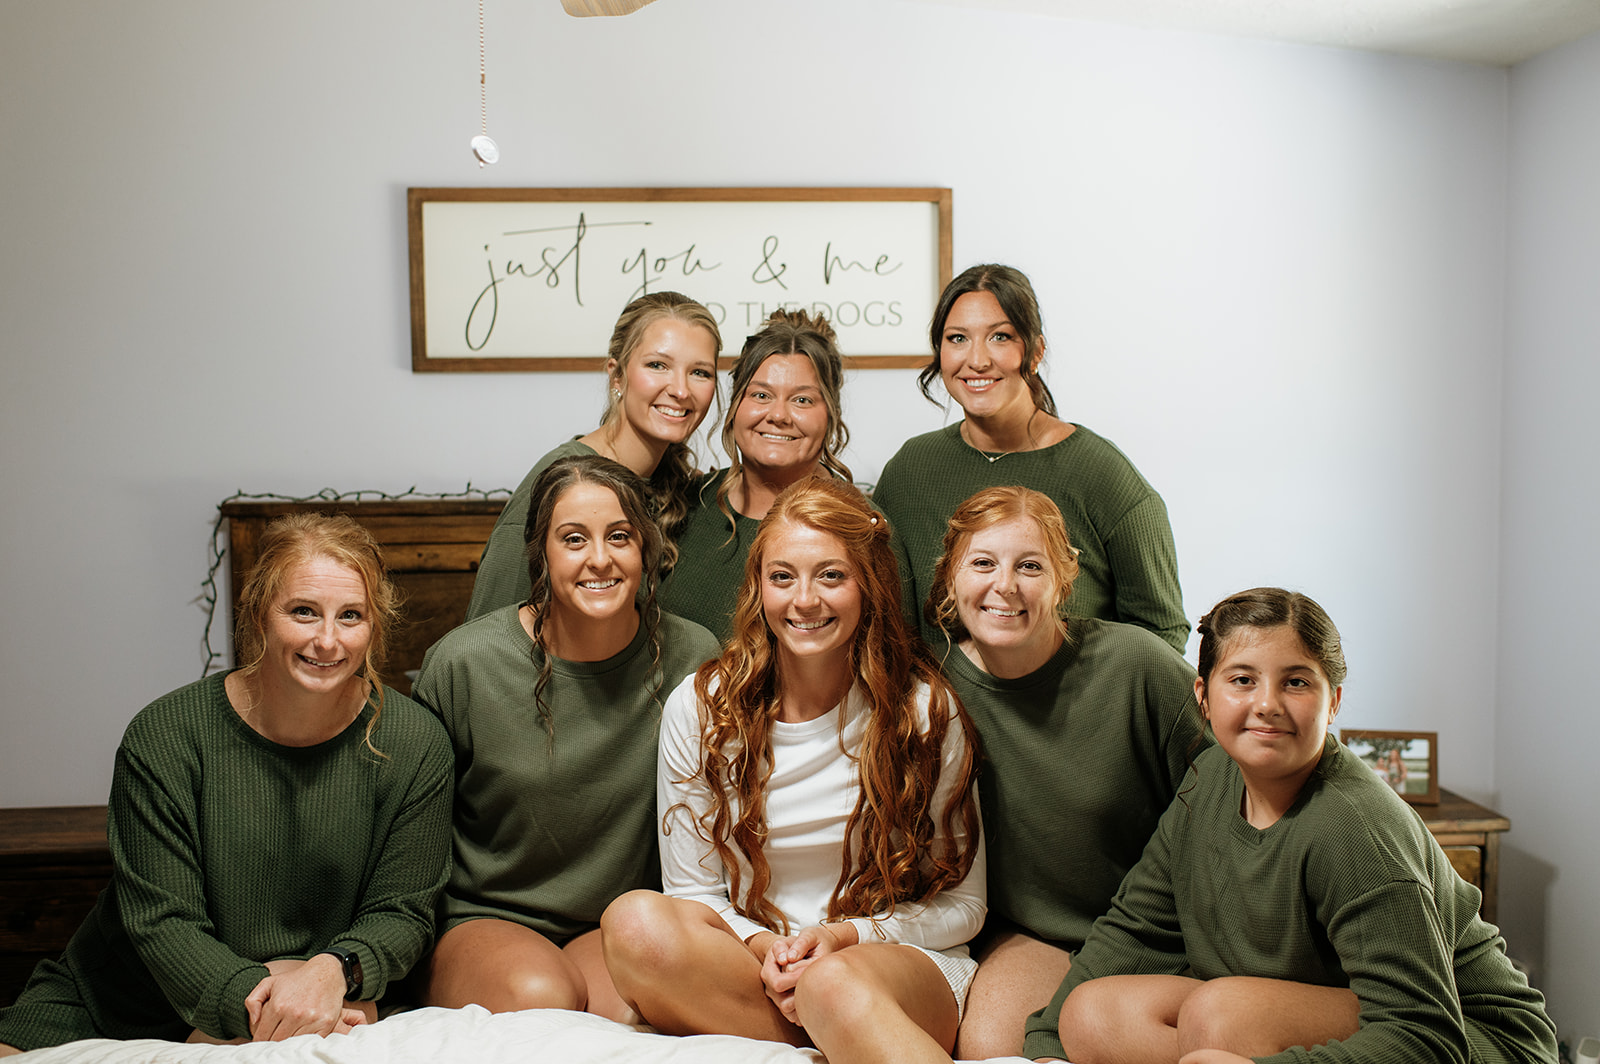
<point x="788" y="332"/>
<point x="892" y="850"/>
<point x="1014" y="292"/>
<point x="633" y="495"/>
<point x="987" y="508"/>
<point x="297" y="539"/>
<point x="671" y="482"/>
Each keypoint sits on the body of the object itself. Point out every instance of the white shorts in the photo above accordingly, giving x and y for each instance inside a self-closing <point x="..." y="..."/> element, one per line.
<point x="958" y="968"/>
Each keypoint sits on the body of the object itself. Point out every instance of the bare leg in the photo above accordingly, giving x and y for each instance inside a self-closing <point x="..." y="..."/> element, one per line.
<point x="1017" y="975"/>
<point x="680" y="966"/>
<point x="8" y="1051"/>
<point x="585" y="954"/>
<point x="878" y="1003"/>
<point x="1125" y="1019"/>
<point x="1260" y="1017"/>
<point x="502" y="966"/>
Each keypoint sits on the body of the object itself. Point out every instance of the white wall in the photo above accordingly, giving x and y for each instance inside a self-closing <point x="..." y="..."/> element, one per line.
<point x="1547" y="731"/>
<point x="1273" y="274"/>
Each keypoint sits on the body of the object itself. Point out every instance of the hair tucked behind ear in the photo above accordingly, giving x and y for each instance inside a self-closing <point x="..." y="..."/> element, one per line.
<point x="1014" y="292"/>
<point x="987" y="508"/>
<point x="297" y="539"/>
<point x="897" y="855"/>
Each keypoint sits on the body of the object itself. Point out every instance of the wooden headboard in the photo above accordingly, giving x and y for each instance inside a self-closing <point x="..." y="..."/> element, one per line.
<point x="431" y="547"/>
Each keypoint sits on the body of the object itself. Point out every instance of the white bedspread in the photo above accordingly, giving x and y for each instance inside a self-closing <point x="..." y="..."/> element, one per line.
<point x="453" y="1036"/>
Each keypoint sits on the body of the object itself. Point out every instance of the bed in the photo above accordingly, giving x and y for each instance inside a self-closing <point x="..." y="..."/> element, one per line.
<point x="441" y="1036"/>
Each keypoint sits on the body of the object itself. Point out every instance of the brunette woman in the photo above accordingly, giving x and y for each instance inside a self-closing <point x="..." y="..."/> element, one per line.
<point x="662" y="374"/>
<point x="988" y="348"/>
<point x="821" y="852"/>
<point x="1087" y="727"/>
<point x="783" y="425"/>
<point x="279" y="833"/>
<point x="1291" y="906"/>
<point x="553" y="707"/>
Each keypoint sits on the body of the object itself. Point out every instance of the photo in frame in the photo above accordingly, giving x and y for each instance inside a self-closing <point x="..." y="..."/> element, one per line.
<point x="1407" y="761"/>
<point x="528" y="279"/>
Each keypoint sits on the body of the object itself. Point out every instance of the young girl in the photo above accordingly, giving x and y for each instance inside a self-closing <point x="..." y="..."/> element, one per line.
<point x="820" y="846"/>
<point x="662" y="374"/>
<point x="552" y="708"/>
<point x="1308" y="902"/>
<point x="988" y="349"/>
<point x="1087" y="727"/>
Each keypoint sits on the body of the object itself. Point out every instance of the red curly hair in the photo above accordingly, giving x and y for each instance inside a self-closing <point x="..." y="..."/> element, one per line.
<point x="898" y="856"/>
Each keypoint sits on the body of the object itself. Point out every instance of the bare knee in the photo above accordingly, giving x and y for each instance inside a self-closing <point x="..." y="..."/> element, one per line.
<point x="1257" y="1017"/>
<point x="1088" y="1024"/>
<point x="834" y="990"/>
<point x="641" y="938"/>
<point x="559" y="987"/>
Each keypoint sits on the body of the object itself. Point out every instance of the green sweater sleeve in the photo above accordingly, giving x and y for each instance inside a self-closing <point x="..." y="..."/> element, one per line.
<point x="394" y="924"/>
<point x="1144" y="562"/>
<point x="153" y="829"/>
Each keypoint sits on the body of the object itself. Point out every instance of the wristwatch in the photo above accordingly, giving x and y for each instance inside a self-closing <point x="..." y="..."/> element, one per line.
<point x="352" y="970"/>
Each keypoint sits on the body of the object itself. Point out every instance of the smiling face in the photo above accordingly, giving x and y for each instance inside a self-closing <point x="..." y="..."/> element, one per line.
<point x="593" y="556"/>
<point x="668" y="381"/>
<point x="1270" y="706"/>
<point x="810" y="594"/>
<point x="982" y="358"/>
<point x="318" y="628"/>
<point x="781" y="420"/>
<point x="1006" y="595"/>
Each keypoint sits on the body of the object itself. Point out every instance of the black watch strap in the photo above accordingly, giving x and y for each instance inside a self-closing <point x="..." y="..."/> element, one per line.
<point x="352" y="970"/>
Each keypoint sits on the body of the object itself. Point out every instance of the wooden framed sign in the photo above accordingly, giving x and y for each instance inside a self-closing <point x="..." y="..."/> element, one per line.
<point x="534" y="278"/>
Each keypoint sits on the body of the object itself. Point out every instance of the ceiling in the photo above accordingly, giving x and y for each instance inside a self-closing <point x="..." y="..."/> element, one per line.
<point x="1496" y="32"/>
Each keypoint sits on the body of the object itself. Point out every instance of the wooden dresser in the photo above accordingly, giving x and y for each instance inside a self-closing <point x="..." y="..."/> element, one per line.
<point x="1470" y="835"/>
<point x="54" y="861"/>
<point x="431" y="546"/>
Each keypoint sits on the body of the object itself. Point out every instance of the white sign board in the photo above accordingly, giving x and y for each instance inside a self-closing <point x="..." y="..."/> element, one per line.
<point x="530" y="279"/>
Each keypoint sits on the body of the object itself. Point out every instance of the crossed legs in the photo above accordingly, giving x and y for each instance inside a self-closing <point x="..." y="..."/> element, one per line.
<point x="684" y="970"/>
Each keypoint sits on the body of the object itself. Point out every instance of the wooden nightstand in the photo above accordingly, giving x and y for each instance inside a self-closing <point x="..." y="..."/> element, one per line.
<point x="1470" y="836"/>
<point x="53" y="864"/>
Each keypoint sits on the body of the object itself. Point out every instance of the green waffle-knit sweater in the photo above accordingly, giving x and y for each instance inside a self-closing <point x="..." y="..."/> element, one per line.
<point x="229" y="850"/>
<point x="548" y="833"/>
<point x="1081" y="758"/>
<point x="502" y="578"/>
<point x="704" y="586"/>
<point x="1347" y="889"/>
<point x="1128" y="568"/>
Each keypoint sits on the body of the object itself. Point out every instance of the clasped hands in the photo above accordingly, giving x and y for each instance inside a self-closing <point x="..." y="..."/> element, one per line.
<point x="301" y="997"/>
<point x="784" y="959"/>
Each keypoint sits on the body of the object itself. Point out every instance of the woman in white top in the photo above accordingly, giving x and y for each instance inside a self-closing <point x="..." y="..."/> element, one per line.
<point x="821" y="853"/>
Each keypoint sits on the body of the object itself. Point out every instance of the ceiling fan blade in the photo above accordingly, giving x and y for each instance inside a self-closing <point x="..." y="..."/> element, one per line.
<point x="585" y="8"/>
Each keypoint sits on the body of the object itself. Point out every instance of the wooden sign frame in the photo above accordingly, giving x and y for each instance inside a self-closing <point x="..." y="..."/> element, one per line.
<point x="838" y="250"/>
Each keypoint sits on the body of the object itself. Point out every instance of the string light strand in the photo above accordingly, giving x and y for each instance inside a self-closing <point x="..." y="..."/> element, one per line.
<point x="209" y="596"/>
